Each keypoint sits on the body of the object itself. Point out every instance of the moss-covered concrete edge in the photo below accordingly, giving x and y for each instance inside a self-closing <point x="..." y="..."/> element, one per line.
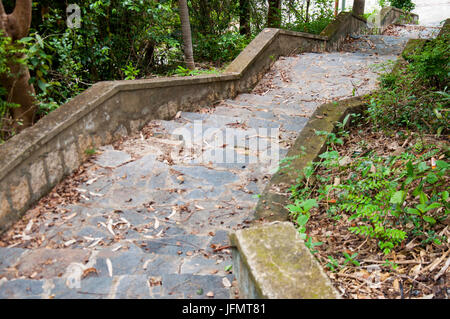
<point x="271" y="261"/>
<point x="414" y="46"/>
<point x="445" y="30"/>
<point x="252" y="266"/>
<point x="307" y="147"/>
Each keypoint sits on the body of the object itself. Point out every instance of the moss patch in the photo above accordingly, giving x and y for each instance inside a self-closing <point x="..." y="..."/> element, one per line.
<point x="280" y="264"/>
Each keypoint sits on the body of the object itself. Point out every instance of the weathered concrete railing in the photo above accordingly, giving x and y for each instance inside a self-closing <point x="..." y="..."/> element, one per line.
<point x="392" y="15"/>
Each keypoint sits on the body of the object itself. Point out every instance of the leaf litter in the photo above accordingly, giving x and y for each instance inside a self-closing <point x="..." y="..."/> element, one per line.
<point x="414" y="270"/>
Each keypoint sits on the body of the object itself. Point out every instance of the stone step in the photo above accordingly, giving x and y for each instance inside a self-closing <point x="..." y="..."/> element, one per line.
<point x="377" y="44"/>
<point x="155" y="257"/>
<point x="170" y="286"/>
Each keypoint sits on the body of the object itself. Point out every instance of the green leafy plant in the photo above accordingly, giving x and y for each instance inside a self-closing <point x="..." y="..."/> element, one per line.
<point x="381" y="194"/>
<point x="406" y="5"/>
<point x="223" y="48"/>
<point x="9" y="53"/>
<point x="415" y="94"/>
<point x="390" y="264"/>
<point x="300" y="212"/>
<point x="351" y="259"/>
<point x="333" y="264"/>
<point x="181" y="71"/>
<point x="130" y="71"/>
<point x="90" y="151"/>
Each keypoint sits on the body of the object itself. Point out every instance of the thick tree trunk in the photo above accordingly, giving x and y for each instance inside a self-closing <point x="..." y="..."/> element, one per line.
<point x="358" y="7"/>
<point x="16" y="26"/>
<point x="244" y="17"/>
<point x="274" y="14"/>
<point x="187" y="37"/>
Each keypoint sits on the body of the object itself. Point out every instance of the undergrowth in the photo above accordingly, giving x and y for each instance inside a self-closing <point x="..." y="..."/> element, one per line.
<point x="389" y="199"/>
<point x="416" y="94"/>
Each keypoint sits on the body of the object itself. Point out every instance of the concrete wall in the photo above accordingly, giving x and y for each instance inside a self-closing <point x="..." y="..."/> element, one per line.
<point x="393" y="15"/>
<point x="34" y="161"/>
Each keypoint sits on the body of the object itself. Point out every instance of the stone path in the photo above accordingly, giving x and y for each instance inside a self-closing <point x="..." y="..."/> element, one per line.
<point x="152" y="215"/>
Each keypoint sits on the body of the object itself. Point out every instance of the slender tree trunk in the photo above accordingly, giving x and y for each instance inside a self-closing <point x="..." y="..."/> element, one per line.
<point x="358" y="7"/>
<point x="16" y="26"/>
<point x="244" y="17"/>
<point x="187" y="37"/>
<point x="274" y="14"/>
<point x="308" y="3"/>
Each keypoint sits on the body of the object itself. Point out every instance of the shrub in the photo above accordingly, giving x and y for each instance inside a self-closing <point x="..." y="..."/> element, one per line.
<point x="432" y="64"/>
<point x="219" y="49"/>
<point x="406" y="5"/>
<point x="318" y="18"/>
<point x="385" y="198"/>
<point x="416" y="94"/>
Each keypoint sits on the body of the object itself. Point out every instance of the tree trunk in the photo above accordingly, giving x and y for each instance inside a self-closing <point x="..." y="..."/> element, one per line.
<point x="358" y="7"/>
<point x="308" y="3"/>
<point x="244" y="17"/>
<point x="274" y="14"/>
<point x="16" y="26"/>
<point x="187" y="37"/>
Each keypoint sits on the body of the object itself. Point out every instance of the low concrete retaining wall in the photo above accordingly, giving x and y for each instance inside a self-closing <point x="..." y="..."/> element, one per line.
<point x="392" y="15"/>
<point x="271" y="261"/>
<point x="271" y="205"/>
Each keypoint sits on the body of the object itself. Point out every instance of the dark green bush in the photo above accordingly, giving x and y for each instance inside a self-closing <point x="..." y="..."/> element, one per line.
<point x="315" y="20"/>
<point x="406" y="5"/>
<point x="416" y="95"/>
<point x="219" y="49"/>
<point x="432" y="64"/>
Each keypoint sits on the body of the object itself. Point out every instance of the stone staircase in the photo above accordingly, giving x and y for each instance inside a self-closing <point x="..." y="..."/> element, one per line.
<point x="151" y="217"/>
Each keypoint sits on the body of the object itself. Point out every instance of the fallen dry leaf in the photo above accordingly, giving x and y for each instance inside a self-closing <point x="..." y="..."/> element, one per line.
<point x="89" y="271"/>
<point x="226" y="283"/>
<point x="110" y="268"/>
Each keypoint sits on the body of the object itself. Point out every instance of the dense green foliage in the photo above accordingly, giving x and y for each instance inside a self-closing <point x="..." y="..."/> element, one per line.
<point x="7" y="51"/>
<point x="406" y="5"/>
<point x="129" y="39"/>
<point x="387" y="198"/>
<point x="312" y="21"/>
<point x="416" y="94"/>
